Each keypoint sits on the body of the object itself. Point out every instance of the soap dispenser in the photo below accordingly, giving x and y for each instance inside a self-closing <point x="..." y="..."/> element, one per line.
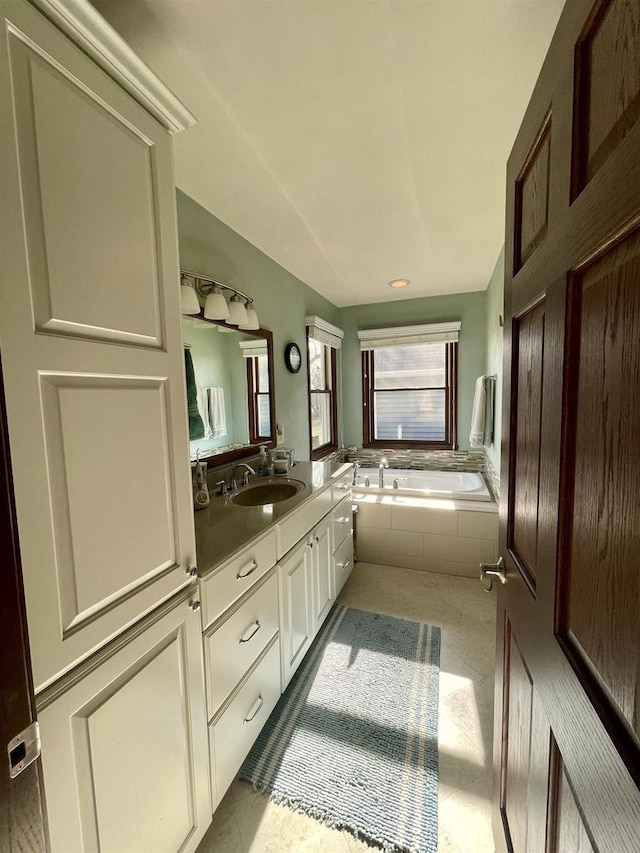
<point x="200" y="489"/>
<point x="263" y="464"/>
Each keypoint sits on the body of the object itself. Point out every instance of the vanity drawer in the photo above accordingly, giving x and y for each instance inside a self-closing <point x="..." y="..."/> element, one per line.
<point x="232" y="735"/>
<point x="231" y="649"/>
<point x="342" y="563"/>
<point x="224" y="586"/>
<point x="303" y="520"/>
<point x="342" y="521"/>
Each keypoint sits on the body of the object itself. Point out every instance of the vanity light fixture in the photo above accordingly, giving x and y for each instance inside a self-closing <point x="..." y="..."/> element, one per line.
<point x="215" y="306"/>
<point x="252" y="320"/>
<point x="399" y="282"/>
<point x="188" y="298"/>
<point x="239" y="311"/>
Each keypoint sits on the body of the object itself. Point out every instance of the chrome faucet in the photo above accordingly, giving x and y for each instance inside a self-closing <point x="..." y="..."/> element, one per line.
<point x="245" y="476"/>
<point x="383" y="464"/>
<point x="356" y="465"/>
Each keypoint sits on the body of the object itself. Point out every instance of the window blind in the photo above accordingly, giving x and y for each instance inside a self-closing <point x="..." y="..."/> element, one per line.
<point x="407" y="335"/>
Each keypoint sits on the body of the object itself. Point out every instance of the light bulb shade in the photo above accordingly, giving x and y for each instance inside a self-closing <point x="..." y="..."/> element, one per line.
<point x="252" y="319"/>
<point x="189" y="300"/>
<point x="215" y="307"/>
<point x="237" y="311"/>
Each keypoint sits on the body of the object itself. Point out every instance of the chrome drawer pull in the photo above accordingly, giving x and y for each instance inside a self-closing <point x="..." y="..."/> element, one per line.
<point x="255" y="626"/>
<point x="255" y="708"/>
<point x="344" y="565"/>
<point x="241" y="575"/>
<point x="342" y="520"/>
<point x="344" y="486"/>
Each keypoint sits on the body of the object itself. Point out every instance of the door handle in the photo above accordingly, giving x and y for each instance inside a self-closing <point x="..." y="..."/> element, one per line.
<point x="488" y="571"/>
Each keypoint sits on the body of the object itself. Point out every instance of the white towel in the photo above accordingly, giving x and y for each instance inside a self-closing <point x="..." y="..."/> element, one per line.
<point x="482" y="413"/>
<point x="217" y="417"/>
<point x="203" y="408"/>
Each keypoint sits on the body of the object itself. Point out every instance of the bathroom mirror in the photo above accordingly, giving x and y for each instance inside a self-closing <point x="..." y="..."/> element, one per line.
<point x="234" y="390"/>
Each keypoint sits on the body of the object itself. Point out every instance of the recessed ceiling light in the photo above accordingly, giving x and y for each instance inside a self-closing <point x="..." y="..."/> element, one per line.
<point x="399" y="282"/>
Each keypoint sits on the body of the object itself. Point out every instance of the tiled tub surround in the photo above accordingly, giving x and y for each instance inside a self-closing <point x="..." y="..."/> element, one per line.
<point x="433" y="460"/>
<point x="492" y="477"/>
<point x="446" y="536"/>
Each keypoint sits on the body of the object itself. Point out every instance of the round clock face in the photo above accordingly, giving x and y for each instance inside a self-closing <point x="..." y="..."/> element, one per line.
<point x="292" y="357"/>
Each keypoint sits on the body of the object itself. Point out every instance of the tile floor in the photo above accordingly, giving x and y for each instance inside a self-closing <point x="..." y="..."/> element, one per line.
<point x="246" y="822"/>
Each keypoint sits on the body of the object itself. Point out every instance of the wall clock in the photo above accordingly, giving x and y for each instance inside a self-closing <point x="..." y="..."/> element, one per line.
<point x="292" y="357"/>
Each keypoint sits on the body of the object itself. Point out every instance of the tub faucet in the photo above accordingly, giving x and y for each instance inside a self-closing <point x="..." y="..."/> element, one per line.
<point x="356" y="465"/>
<point x="383" y="464"/>
<point x="245" y="475"/>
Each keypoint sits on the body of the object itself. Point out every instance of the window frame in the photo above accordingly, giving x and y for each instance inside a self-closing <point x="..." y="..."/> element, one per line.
<point x="451" y="395"/>
<point x="252" y="402"/>
<point x="332" y="392"/>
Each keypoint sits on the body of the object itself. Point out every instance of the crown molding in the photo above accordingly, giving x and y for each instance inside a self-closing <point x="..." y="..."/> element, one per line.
<point x="86" y="27"/>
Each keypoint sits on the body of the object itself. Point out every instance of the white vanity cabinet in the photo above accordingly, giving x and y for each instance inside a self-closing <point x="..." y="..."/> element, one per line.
<point x="307" y="572"/>
<point x="295" y="580"/>
<point x="93" y="369"/>
<point x="241" y="623"/>
<point x="124" y="747"/>
<point x="342" y="543"/>
<point x="90" y="334"/>
<point x="322" y="572"/>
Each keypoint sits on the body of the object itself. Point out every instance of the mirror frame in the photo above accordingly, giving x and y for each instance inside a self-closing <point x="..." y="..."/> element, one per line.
<point x="220" y="459"/>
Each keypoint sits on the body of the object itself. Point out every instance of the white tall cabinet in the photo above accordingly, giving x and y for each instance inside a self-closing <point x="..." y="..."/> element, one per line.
<point x="93" y="369"/>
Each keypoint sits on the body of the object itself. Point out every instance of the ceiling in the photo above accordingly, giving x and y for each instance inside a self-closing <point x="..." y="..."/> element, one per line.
<point x="352" y="141"/>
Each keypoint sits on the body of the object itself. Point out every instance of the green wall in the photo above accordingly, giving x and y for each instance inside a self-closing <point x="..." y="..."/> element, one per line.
<point x="469" y="308"/>
<point x="210" y="247"/>
<point x="495" y="309"/>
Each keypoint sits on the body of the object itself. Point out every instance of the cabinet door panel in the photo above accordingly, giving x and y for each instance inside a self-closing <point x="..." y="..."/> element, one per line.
<point x="91" y="347"/>
<point x="323" y="588"/>
<point x="296" y="613"/>
<point x="124" y="749"/>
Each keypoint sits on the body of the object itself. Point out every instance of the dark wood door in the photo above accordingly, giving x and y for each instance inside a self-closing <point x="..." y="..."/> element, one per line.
<point x="22" y="815"/>
<point x="567" y="745"/>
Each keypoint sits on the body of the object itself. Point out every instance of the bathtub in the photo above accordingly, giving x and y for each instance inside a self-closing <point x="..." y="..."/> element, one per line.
<point x="435" y="521"/>
<point x="454" y="485"/>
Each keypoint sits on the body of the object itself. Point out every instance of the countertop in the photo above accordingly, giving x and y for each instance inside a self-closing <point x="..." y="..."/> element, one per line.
<point x="224" y="528"/>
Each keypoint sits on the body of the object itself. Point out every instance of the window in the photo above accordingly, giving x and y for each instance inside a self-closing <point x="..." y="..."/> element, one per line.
<point x="323" y="339"/>
<point x="409" y="390"/>
<point x="322" y="397"/>
<point x="259" y="399"/>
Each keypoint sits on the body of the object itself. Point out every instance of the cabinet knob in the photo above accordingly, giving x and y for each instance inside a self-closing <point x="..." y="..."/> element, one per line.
<point x="316" y="538"/>
<point x="195" y="606"/>
<point x="309" y="544"/>
<point x="192" y="572"/>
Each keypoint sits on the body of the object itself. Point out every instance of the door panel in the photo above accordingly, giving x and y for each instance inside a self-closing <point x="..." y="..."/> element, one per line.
<point x="91" y="344"/>
<point x="296" y="609"/>
<point x="516" y="770"/>
<point x="599" y="582"/>
<point x="570" y="831"/>
<point x="567" y="695"/>
<point x="532" y="197"/>
<point x="525" y="446"/>
<point x="124" y="748"/>
<point x="607" y="86"/>
<point x="324" y="595"/>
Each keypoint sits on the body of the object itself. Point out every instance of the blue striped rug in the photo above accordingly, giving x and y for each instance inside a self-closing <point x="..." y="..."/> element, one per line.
<point x="353" y="741"/>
